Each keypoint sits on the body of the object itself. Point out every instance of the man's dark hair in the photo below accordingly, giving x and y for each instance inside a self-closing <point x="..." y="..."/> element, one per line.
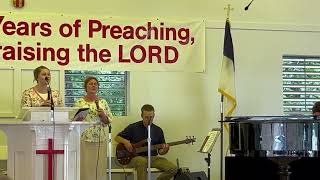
<point x="316" y="107"/>
<point x="147" y="107"/>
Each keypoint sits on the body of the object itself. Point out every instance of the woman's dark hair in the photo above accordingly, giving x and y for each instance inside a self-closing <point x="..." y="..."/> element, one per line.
<point x="316" y="107"/>
<point x="37" y="71"/>
<point x="89" y="79"/>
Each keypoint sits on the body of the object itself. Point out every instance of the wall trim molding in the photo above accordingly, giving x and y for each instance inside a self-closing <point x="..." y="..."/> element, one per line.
<point x="255" y="26"/>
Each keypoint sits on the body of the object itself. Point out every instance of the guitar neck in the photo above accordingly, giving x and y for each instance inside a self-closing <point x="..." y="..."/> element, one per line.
<point x="158" y="146"/>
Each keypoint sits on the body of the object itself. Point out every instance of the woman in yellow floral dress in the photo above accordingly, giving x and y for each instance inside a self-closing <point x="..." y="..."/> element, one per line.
<point x="94" y="139"/>
<point x="38" y="95"/>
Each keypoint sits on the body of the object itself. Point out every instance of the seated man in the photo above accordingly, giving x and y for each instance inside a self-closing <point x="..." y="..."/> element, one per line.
<point x="137" y="132"/>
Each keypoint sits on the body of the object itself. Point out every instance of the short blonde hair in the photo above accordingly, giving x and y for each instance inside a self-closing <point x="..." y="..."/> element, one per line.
<point x="147" y="107"/>
<point x="89" y="79"/>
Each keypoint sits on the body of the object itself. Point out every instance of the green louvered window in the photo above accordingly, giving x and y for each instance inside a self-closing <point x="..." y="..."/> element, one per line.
<point x="301" y="84"/>
<point x="113" y="88"/>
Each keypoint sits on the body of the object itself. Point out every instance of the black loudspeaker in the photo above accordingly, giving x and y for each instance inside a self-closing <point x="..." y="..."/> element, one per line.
<point x="200" y="175"/>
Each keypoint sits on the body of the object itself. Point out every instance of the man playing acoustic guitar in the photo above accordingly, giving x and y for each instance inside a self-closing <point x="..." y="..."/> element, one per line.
<point x="136" y="135"/>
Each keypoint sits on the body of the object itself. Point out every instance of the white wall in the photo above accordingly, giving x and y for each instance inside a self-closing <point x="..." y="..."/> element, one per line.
<point x="188" y="103"/>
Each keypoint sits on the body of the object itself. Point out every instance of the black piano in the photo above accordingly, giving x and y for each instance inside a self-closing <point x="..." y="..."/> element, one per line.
<point x="273" y="148"/>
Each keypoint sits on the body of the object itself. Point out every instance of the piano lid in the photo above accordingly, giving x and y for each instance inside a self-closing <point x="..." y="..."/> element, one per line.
<point x="273" y="119"/>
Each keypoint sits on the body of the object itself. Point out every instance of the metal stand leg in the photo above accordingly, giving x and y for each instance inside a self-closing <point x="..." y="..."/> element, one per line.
<point x="149" y="152"/>
<point x="208" y="160"/>
<point x="110" y="150"/>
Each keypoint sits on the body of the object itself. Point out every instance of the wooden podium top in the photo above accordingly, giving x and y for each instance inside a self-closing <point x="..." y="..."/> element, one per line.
<point x="19" y="123"/>
<point x="43" y="114"/>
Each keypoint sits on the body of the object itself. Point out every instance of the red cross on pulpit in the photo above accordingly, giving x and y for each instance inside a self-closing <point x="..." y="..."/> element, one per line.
<point x="50" y="152"/>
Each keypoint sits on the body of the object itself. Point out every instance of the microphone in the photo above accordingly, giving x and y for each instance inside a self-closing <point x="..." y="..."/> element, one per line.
<point x="247" y="7"/>
<point x="47" y="79"/>
<point x="98" y="107"/>
<point x="50" y="97"/>
<point x="97" y="103"/>
<point x="48" y="87"/>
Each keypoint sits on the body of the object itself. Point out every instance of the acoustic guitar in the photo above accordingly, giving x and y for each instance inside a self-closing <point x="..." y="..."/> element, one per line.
<point x="124" y="156"/>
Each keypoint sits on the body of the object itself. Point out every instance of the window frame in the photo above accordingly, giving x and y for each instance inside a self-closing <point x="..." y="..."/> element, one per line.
<point x="99" y="75"/>
<point x="305" y="82"/>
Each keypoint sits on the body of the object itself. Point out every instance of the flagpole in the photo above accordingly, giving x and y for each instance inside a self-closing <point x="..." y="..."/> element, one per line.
<point x="226" y="92"/>
<point x="228" y="9"/>
<point x="221" y="137"/>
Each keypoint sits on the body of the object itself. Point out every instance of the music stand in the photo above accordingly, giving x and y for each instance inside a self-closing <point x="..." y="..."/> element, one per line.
<point x="208" y="144"/>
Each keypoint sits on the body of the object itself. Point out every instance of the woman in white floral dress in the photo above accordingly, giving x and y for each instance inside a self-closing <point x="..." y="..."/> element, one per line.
<point x="94" y="139"/>
<point x="38" y="95"/>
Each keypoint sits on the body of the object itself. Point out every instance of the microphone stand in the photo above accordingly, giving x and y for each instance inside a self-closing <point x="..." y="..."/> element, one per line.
<point x="51" y="103"/>
<point x="221" y="136"/>
<point x="53" y="122"/>
<point x="109" y="149"/>
<point x="247" y="7"/>
<point x="149" y="150"/>
<point x="208" y="160"/>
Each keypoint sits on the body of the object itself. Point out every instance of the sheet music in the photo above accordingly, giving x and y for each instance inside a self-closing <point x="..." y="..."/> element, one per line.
<point x="81" y="114"/>
<point x="209" y="141"/>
